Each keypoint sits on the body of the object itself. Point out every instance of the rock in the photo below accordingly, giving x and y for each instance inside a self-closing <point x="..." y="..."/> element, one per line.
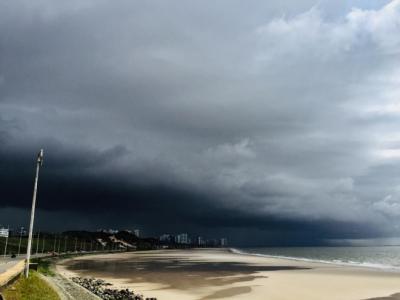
<point x="100" y="288"/>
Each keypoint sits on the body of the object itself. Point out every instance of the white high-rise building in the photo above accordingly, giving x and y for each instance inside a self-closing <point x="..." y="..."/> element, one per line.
<point x="182" y="238"/>
<point x="200" y="241"/>
<point x="223" y="242"/>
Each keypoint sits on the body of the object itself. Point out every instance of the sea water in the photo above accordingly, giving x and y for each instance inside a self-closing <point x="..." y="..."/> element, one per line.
<point x="383" y="257"/>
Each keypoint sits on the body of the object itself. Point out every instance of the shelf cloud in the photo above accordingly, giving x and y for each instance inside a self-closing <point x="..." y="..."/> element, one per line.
<point x="265" y="120"/>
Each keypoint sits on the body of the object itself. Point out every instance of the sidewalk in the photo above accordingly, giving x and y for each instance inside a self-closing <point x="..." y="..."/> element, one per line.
<point x="10" y="268"/>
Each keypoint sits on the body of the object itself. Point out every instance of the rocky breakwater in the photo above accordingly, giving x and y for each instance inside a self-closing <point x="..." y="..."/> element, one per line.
<point x="102" y="289"/>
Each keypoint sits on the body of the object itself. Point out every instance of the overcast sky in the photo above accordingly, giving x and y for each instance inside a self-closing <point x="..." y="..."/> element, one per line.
<point x="270" y="121"/>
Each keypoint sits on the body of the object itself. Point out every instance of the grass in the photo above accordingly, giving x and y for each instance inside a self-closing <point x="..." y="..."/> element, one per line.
<point x="33" y="288"/>
<point x="44" y="266"/>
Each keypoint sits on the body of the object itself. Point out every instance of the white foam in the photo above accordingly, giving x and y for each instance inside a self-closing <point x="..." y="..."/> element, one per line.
<point x="332" y="262"/>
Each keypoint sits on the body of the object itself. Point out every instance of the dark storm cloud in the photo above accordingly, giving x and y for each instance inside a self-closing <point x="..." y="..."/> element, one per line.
<point x="259" y="118"/>
<point x="70" y="194"/>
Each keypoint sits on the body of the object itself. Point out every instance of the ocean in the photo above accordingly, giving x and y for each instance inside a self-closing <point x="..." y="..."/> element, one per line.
<point x="382" y="257"/>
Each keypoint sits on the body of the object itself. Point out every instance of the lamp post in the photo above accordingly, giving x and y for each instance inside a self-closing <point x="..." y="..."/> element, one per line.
<point x="65" y="244"/>
<point x="39" y="163"/>
<point x="20" y="240"/>
<point x="58" y="249"/>
<point x="5" y="247"/>
<point x="44" y="240"/>
<point x="55" y="243"/>
<point x="37" y="242"/>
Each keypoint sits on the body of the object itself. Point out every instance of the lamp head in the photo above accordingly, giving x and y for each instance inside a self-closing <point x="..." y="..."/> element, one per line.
<point x="40" y="157"/>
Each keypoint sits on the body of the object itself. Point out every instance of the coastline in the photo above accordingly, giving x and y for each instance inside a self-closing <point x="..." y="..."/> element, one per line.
<point x="219" y="273"/>
<point x="337" y="262"/>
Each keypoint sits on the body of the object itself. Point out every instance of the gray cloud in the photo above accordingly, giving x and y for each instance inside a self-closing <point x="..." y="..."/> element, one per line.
<point x="285" y="111"/>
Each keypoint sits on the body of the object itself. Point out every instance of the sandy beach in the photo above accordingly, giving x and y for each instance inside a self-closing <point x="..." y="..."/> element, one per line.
<point x="220" y="274"/>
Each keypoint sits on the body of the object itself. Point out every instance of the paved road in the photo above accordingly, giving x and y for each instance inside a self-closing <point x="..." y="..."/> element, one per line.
<point x="66" y="289"/>
<point x="8" y="262"/>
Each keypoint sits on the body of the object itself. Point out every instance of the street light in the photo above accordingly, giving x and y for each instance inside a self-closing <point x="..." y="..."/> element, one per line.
<point x="37" y="242"/>
<point x="20" y="240"/>
<point x="39" y="163"/>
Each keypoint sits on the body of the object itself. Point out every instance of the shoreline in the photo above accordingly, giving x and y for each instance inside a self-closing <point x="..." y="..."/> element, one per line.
<point x="386" y="268"/>
<point x="217" y="274"/>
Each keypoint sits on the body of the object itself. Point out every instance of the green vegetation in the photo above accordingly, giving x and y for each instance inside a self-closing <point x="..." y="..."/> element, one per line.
<point x="47" y="243"/>
<point x="76" y="241"/>
<point x="44" y="266"/>
<point x="33" y="288"/>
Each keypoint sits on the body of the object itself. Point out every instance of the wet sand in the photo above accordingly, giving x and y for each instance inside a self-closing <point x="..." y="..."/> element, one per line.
<point x="220" y="274"/>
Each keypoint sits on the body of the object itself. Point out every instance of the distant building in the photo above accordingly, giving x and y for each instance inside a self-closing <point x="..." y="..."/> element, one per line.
<point x="135" y="231"/>
<point x="200" y="241"/>
<point x="182" y="238"/>
<point x="109" y="231"/>
<point x="166" y="238"/>
<point x="4" y="232"/>
<point x="223" y="242"/>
